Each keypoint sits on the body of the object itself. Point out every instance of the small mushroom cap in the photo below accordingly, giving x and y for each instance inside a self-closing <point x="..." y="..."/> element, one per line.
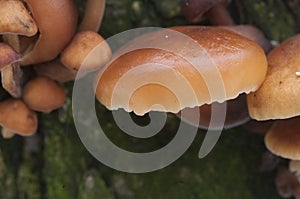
<point x="283" y="138"/>
<point x="226" y="52"/>
<point x="57" y="23"/>
<point x="17" y="117"/>
<point x="8" y="55"/>
<point x="236" y="114"/>
<point x="87" y="50"/>
<point x="278" y="97"/>
<point x="43" y="94"/>
<point x="15" y="19"/>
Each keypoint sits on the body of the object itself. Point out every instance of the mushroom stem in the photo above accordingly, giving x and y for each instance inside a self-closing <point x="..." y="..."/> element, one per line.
<point x="11" y="75"/>
<point x="94" y="11"/>
<point x="218" y="15"/>
<point x="7" y="133"/>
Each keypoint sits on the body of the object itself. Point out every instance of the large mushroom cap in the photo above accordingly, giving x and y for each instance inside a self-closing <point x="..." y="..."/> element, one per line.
<point x="57" y="22"/>
<point x="283" y="138"/>
<point x="217" y="51"/>
<point x="278" y="97"/>
<point x="17" y="117"/>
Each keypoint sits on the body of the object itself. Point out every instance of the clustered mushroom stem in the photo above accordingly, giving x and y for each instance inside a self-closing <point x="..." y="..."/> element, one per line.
<point x="93" y="16"/>
<point x="218" y="15"/>
<point x="12" y="74"/>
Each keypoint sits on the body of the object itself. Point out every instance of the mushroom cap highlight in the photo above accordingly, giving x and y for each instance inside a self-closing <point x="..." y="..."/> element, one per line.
<point x="230" y="54"/>
<point x="17" y="117"/>
<point x="43" y="94"/>
<point x="283" y="138"/>
<point x="278" y="97"/>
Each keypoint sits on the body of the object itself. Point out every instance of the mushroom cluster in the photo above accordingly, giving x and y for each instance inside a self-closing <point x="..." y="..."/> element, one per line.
<point x="42" y="45"/>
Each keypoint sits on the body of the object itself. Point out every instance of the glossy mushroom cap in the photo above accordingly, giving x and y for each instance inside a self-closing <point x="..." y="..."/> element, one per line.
<point x="283" y="138"/>
<point x="218" y="51"/>
<point x="17" y="117"/>
<point x="278" y="97"/>
<point x="57" y="22"/>
<point x="43" y="94"/>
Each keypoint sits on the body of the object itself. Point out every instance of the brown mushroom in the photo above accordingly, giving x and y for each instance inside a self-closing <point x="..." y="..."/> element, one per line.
<point x="93" y="15"/>
<point x="88" y="51"/>
<point x="232" y="54"/>
<point x="283" y="138"/>
<point x="17" y="117"/>
<point x="214" y="10"/>
<point x="43" y="94"/>
<point x="286" y="183"/>
<point x="278" y="97"/>
<point x="56" y="21"/>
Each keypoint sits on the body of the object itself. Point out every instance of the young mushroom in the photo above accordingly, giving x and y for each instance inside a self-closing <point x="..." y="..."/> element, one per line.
<point x="231" y="54"/>
<point x="214" y="10"/>
<point x="16" y="117"/>
<point x="278" y="96"/>
<point x="283" y="138"/>
<point x="86" y="44"/>
<point x="43" y="94"/>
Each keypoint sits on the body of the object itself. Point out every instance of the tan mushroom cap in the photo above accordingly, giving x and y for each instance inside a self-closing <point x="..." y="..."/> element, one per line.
<point x="15" y="19"/>
<point x="17" y="117"/>
<point x="230" y="54"/>
<point x="278" y="97"/>
<point x="57" y="22"/>
<point x="87" y="50"/>
<point x="8" y="55"/>
<point x="43" y="94"/>
<point x="283" y="138"/>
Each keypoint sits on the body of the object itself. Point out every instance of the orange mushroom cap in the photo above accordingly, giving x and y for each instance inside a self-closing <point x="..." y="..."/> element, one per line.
<point x="17" y="117"/>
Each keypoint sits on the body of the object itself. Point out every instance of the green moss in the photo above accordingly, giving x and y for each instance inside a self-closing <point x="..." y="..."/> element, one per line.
<point x="93" y="186"/>
<point x="65" y="158"/>
<point x="273" y="17"/>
